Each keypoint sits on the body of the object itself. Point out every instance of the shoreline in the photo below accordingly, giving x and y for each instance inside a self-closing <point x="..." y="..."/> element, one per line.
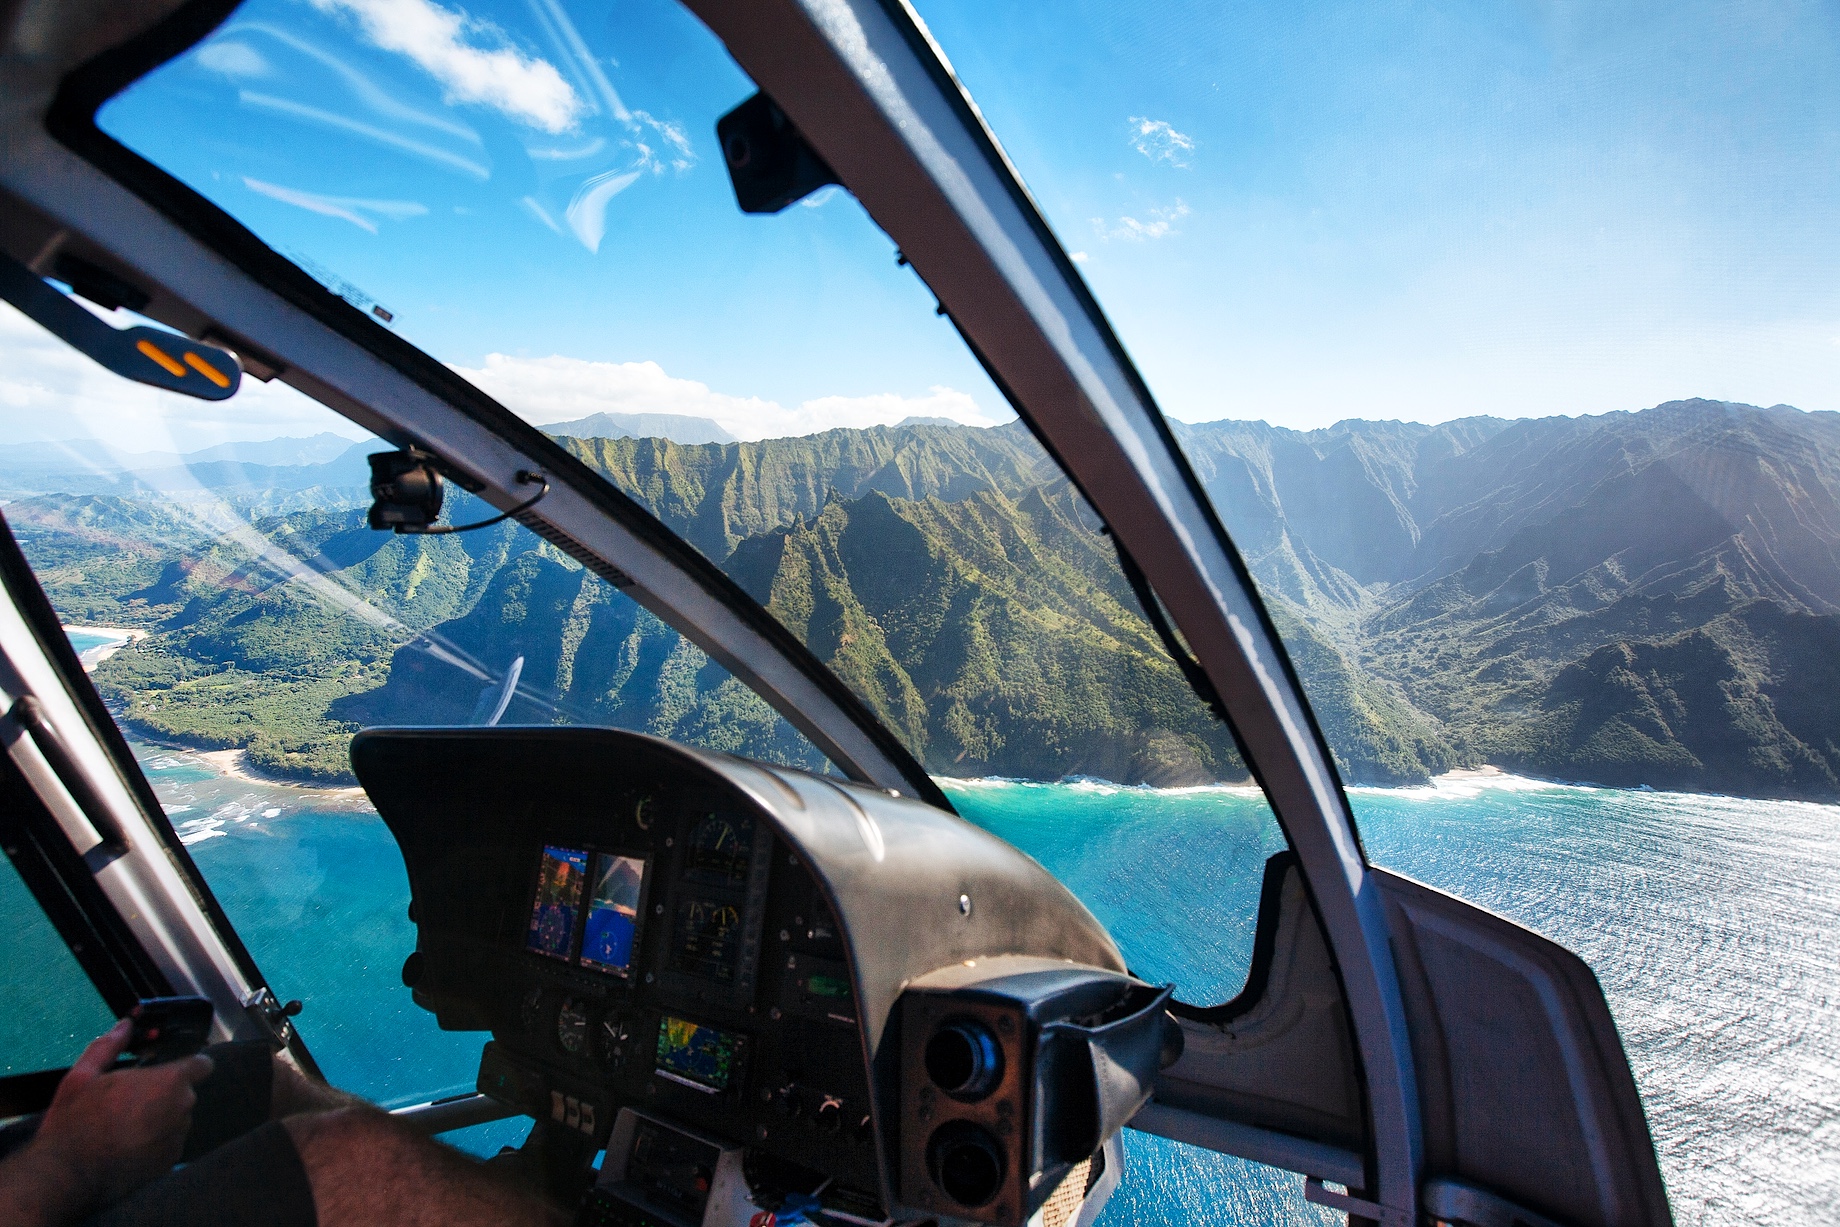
<point x="121" y="637"/>
<point x="234" y="764"/>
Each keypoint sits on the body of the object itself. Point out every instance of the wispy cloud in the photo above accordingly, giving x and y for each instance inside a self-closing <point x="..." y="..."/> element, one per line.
<point x="1155" y="224"/>
<point x="561" y="389"/>
<point x="356" y="127"/>
<point x="599" y="95"/>
<point x="1159" y="142"/>
<point x="473" y="60"/>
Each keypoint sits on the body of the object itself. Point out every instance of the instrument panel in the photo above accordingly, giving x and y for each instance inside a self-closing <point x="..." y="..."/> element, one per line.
<point x="684" y="963"/>
<point x="697" y="963"/>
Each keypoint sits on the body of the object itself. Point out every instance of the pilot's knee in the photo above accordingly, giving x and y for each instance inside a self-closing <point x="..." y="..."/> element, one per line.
<point x="344" y="1138"/>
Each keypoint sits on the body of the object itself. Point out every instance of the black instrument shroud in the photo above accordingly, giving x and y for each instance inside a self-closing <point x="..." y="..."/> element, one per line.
<point x="845" y="895"/>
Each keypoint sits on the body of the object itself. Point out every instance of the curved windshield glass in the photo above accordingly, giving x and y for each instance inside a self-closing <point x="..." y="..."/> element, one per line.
<point x="1505" y="340"/>
<point x="534" y="195"/>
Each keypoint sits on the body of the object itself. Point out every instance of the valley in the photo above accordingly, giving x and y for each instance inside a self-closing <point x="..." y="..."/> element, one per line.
<point x="1635" y="599"/>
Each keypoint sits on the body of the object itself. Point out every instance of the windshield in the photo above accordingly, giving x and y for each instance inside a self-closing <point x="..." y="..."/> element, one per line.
<point x="533" y="195"/>
<point x="1506" y="341"/>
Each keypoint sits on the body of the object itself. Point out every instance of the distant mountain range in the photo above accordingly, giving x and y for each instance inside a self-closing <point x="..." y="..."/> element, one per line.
<point x="676" y="427"/>
<point x="1643" y="598"/>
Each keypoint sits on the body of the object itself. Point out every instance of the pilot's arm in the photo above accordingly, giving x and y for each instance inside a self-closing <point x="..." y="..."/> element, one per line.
<point x="105" y="1135"/>
<point x="291" y="1152"/>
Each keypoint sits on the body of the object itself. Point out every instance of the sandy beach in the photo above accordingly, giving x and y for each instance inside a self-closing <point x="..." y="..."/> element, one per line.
<point x="121" y="637"/>
<point x="234" y="765"/>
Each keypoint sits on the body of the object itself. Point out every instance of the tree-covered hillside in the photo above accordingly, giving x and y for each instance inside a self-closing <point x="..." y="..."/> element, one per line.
<point x="1647" y="598"/>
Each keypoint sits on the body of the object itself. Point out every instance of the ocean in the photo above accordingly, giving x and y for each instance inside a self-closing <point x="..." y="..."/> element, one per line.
<point x="1711" y="922"/>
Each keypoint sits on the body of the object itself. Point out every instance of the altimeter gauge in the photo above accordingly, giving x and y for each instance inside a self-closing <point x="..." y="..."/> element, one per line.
<point x="572" y="1026"/>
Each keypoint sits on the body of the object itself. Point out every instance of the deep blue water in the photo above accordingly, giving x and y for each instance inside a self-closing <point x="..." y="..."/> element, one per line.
<point x="1711" y="922"/>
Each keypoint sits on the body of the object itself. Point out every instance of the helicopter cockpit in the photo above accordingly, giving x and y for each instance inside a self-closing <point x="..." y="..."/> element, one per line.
<point x="725" y="977"/>
<point x="677" y="735"/>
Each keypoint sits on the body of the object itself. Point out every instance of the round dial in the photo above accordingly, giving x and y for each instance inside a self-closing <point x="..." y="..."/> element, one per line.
<point x="572" y="1026"/>
<point x="530" y="1012"/>
<point x="645" y="813"/>
<point x="718" y="851"/>
<point x="613" y="1037"/>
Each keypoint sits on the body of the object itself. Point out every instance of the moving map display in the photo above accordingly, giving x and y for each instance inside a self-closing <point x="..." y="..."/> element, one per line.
<point x="696" y="1055"/>
<point x="562" y="874"/>
<point x="613" y="913"/>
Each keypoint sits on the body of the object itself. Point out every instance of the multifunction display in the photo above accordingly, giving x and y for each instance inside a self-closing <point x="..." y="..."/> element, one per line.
<point x="698" y="1056"/>
<point x="613" y="913"/>
<point x="562" y="874"/>
<point x="610" y="884"/>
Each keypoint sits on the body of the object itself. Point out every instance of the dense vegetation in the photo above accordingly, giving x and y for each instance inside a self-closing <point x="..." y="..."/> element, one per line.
<point x="1644" y="598"/>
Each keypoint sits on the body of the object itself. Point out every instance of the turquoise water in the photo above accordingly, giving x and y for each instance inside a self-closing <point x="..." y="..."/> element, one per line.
<point x="84" y="641"/>
<point x="1711" y="922"/>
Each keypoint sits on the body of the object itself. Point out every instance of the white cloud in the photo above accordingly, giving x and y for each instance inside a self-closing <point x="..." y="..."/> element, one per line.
<point x="1155" y="224"/>
<point x="1159" y="142"/>
<point x="1078" y="257"/>
<point x="442" y="42"/>
<point x="559" y="389"/>
<point x="347" y="208"/>
<point x="677" y="151"/>
<point x="49" y="391"/>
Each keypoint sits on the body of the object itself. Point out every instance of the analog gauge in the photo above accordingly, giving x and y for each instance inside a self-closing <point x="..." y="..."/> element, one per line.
<point x="646" y="812"/>
<point x="719" y="849"/>
<point x="531" y="1011"/>
<point x="572" y="1026"/>
<point x="613" y="1037"/>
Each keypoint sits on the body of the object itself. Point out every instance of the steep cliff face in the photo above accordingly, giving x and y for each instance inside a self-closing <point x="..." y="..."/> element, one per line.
<point x="995" y="635"/>
<point x="1639" y="598"/>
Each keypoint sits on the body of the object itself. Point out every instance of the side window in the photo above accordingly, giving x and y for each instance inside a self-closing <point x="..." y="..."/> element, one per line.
<point x="1489" y="334"/>
<point x="48" y="1008"/>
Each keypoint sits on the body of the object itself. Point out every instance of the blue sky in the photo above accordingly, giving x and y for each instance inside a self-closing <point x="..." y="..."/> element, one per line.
<point x="1291" y="211"/>
<point x="1423" y="210"/>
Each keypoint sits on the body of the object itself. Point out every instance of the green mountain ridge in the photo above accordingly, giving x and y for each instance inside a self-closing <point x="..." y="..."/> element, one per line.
<point x="1648" y="598"/>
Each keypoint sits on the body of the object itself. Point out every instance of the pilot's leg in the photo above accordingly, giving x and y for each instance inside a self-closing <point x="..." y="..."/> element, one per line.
<point x="366" y="1168"/>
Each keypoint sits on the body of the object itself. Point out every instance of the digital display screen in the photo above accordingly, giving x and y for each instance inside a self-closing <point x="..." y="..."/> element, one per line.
<point x="613" y="913"/>
<point x="698" y="1056"/>
<point x="708" y="939"/>
<point x="720" y="850"/>
<point x="562" y="875"/>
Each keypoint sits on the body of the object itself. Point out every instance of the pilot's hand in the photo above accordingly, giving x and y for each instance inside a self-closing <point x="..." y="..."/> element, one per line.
<point x="104" y="1135"/>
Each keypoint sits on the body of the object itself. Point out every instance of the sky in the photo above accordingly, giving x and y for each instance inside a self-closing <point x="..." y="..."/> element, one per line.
<point x="1297" y="212"/>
